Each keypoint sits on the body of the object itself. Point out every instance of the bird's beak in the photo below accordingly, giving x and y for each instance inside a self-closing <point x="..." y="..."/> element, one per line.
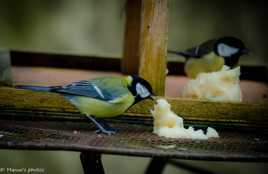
<point x="152" y="97"/>
<point x="245" y="51"/>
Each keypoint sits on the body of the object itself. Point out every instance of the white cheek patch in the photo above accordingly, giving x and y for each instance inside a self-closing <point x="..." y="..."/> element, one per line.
<point x="142" y="91"/>
<point x="226" y="51"/>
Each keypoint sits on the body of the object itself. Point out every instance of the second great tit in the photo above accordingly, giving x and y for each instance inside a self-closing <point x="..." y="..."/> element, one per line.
<point x="102" y="97"/>
<point x="211" y="55"/>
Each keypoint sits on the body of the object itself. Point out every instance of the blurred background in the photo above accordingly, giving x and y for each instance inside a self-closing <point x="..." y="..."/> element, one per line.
<point x="96" y="27"/>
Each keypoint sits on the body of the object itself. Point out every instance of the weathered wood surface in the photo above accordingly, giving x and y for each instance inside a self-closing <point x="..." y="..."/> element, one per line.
<point x="153" y="43"/>
<point x="130" y="62"/>
<point x="29" y="105"/>
<point x="145" y="46"/>
<point x="53" y="105"/>
<point x="220" y="113"/>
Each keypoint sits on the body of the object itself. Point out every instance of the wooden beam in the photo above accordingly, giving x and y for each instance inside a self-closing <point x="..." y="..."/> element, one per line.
<point x="130" y="61"/>
<point x="214" y="113"/>
<point x="18" y="99"/>
<point x="46" y="59"/>
<point x="54" y="106"/>
<point x="153" y="43"/>
<point x="28" y="58"/>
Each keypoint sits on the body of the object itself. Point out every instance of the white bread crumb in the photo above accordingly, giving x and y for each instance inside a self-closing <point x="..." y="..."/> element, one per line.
<point x="223" y="85"/>
<point x="170" y="125"/>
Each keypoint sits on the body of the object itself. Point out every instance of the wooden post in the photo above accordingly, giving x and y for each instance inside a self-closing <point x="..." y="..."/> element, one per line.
<point x="130" y="61"/>
<point x="146" y="41"/>
<point x="153" y="43"/>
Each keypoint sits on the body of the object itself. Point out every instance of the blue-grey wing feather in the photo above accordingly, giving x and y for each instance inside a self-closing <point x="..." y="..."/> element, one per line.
<point x="92" y="89"/>
<point x="198" y="51"/>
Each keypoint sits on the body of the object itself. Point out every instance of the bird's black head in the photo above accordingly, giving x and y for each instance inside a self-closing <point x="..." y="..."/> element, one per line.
<point x="230" y="48"/>
<point x="139" y="88"/>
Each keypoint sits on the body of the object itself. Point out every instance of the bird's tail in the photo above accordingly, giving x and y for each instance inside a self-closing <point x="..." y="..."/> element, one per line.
<point x="35" y="88"/>
<point x="175" y="52"/>
<point x="179" y="53"/>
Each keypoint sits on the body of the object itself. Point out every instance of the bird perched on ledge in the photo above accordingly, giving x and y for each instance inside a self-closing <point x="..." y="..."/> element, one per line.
<point x="102" y="97"/>
<point x="211" y="55"/>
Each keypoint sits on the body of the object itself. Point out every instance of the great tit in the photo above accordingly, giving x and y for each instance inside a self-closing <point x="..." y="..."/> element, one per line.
<point x="211" y="55"/>
<point x="102" y="97"/>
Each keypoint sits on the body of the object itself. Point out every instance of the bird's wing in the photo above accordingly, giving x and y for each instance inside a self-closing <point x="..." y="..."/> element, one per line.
<point x="106" y="89"/>
<point x="197" y="51"/>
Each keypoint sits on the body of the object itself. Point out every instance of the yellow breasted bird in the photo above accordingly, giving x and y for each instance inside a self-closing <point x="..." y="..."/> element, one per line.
<point x="102" y="97"/>
<point x="211" y="55"/>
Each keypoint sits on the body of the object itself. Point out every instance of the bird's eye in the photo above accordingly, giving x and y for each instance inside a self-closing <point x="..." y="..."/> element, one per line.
<point x="142" y="91"/>
<point x="226" y="51"/>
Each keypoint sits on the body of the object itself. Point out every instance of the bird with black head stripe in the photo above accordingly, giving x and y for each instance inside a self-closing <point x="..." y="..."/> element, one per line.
<point x="211" y="55"/>
<point x="102" y="97"/>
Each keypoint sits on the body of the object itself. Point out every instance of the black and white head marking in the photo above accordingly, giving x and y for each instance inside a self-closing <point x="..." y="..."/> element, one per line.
<point x="139" y="88"/>
<point x="142" y="91"/>
<point x="230" y="47"/>
<point x="226" y="50"/>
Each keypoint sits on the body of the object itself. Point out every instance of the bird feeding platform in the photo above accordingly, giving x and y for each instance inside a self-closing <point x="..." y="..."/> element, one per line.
<point x="46" y="121"/>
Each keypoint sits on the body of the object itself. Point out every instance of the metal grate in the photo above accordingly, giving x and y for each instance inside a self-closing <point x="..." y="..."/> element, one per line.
<point x="132" y="139"/>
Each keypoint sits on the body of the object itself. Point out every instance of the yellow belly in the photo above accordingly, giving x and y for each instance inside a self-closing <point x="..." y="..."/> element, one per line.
<point x="102" y="109"/>
<point x="209" y="63"/>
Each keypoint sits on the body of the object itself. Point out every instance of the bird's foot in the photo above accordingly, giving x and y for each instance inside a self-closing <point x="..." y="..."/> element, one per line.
<point x="103" y="127"/>
<point x="106" y="129"/>
<point x="107" y="132"/>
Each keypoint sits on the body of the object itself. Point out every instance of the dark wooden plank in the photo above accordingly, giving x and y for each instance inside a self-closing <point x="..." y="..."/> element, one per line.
<point x="28" y="58"/>
<point x="22" y="58"/>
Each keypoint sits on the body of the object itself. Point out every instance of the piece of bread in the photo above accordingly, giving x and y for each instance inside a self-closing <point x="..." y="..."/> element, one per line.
<point x="170" y="125"/>
<point x="222" y="85"/>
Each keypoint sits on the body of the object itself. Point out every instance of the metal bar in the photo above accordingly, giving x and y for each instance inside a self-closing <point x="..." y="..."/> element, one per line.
<point x="91" y="162"/>
<point x="157" y="165"/>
